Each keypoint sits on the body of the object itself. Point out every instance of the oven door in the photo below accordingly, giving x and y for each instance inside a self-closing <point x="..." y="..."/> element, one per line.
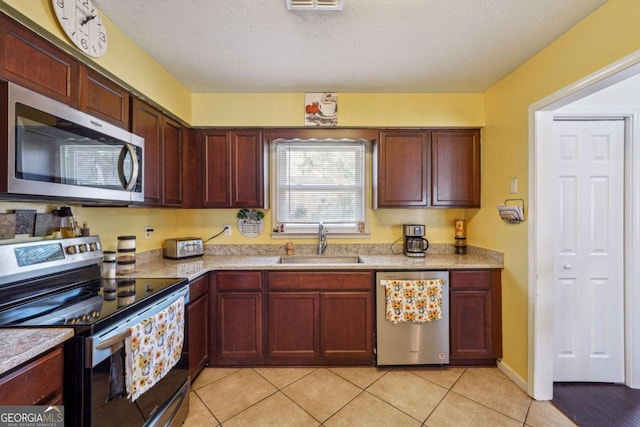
<point x="106" y="404"/>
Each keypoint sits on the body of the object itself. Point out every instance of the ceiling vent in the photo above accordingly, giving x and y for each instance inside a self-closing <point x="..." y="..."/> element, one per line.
<point x="314" y="4"/>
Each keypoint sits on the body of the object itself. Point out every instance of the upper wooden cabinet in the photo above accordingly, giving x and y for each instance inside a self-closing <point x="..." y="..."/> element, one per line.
<point x="232" y="169"/>
<point x="455" y="168"/>
<point x="402" y="166"/>
<point x="30" y="61"/>
<point x="427" y="168"/>
<point x="102" y="98"/>
<point x="163" y="142"/>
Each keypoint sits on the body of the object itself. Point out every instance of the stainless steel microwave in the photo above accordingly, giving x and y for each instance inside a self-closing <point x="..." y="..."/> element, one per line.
<point x="55" y="151"/>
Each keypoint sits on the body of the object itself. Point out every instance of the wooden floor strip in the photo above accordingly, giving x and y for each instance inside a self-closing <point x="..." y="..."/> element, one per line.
<point x="598" y="404"/>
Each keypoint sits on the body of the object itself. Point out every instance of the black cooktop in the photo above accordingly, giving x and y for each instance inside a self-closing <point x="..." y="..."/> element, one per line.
<point x="86" y="306"/>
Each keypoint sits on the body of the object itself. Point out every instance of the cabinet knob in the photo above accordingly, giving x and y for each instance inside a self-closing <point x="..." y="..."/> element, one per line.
<point x="567" y="266"/>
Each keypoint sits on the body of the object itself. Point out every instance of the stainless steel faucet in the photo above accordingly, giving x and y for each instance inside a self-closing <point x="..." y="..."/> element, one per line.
<point x="322" y="238"/>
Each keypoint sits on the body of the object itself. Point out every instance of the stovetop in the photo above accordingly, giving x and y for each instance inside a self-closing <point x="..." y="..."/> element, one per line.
<point x="91" y="307"/>
<point x="57" y="283"/>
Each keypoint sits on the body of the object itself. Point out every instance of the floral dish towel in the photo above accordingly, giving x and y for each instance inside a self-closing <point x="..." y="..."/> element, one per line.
<point x="154" y="347"/>
<point x="416" y="301"/>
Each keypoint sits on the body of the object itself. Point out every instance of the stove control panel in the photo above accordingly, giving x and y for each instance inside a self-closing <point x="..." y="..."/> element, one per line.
<point x="27" y="259"/>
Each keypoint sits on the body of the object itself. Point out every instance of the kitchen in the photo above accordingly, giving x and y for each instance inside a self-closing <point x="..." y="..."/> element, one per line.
<point x="501" y="111"/>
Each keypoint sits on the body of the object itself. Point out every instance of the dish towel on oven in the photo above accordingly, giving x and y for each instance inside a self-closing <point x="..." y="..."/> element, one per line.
<point x="153" y="348"/>
<point x="413" y="300"/>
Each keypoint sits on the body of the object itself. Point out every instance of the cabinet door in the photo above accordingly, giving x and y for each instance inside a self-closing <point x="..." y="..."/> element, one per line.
<point x="346" y="327"/>
<point x="216" y="170"/>
<point x="102" y="98"/>
<point x="247" y="169"/>
<point x="476" y="317"/>
<point x="146" y="122"/>
<point x="37" y="383"/>
<point x="172" y="143"/>
<point x="198" y="334"/>
<point x="294" y="327"/>
<point x="239" y="328"/>
<point x="30" y="61"/>
<point x="402" y="159"/>
<point x="198" y="325"/>
<point x="455" y="168"/>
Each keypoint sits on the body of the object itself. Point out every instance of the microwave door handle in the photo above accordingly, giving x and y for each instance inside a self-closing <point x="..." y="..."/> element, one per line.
<point x="128" y="149"/>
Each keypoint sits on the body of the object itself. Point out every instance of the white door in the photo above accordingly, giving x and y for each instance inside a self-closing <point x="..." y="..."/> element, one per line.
<point x="588" y="268"/>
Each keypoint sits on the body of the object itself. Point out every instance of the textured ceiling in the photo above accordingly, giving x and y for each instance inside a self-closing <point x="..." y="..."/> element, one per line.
<point x="400" y="46"/>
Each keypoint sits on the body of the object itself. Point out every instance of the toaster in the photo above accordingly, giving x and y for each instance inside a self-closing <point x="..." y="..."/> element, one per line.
<point x="183" y="247"/>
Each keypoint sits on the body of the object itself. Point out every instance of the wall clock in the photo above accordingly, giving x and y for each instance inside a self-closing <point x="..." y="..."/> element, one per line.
<point x="81" y="22"/>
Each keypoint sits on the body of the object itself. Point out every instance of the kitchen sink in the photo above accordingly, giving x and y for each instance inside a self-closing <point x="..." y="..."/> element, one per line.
<point x="320" y="259"/>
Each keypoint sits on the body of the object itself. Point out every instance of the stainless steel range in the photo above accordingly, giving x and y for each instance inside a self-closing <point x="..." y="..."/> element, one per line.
<point x="54" y="283"/>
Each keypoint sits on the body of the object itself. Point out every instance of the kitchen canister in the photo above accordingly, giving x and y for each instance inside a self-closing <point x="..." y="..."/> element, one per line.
<point x="126" y="260"/>
<point x="109" y="265"/>
<point x="460" y="237"/>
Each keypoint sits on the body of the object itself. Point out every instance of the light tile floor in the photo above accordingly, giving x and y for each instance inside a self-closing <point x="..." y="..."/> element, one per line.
<point x="364" y="396"/>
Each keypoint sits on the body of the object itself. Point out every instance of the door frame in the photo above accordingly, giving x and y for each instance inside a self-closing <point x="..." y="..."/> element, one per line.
<point x="540" y="227"/>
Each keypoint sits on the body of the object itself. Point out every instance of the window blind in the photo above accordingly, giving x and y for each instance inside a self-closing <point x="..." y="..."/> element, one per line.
<point x="320" y="181"/>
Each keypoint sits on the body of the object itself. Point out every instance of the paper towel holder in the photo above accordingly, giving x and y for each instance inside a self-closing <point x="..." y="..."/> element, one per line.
<point x="513" y="214"/>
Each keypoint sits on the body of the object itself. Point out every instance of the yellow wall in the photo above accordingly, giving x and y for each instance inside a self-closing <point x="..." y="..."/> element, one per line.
<point x="355" y="109"/>
<point x="607" y="35"/>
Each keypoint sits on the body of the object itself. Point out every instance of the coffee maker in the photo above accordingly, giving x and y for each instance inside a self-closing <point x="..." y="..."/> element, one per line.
<point x="415" y="245"/>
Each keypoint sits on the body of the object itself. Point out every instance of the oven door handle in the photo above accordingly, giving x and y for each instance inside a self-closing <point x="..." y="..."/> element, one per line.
<point x="115" y="343"/>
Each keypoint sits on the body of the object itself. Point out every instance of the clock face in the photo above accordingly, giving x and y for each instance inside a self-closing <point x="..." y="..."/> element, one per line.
<point x="81" y="21"/>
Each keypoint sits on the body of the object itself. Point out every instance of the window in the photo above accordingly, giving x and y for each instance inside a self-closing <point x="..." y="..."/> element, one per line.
<point x="319" y="181"/>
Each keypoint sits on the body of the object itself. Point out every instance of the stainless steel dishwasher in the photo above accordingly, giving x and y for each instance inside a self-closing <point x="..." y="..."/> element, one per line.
<point x="412" y="343"/>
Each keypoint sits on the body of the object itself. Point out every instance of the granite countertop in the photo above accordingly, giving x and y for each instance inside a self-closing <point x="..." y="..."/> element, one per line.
<point x="191" y="268"/>
<point x="21" y="345"/>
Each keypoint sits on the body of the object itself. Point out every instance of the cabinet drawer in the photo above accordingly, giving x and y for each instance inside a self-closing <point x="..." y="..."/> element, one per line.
<point x="36" y="383"/>
<point x="471" y="279"/>
<point x="239" y="280"/>
<point x="198" y="287"/>
<point x="295" y="280"/>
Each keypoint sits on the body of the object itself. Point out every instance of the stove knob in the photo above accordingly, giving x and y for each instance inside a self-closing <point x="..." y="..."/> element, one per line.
<point x="83" y="247"/>
<point x="95" y="314"/>
<point x="93" y="246"/>
<point x="85" y="317"/>
<point x="73" y="321"/>
<point x="71" y="250"/>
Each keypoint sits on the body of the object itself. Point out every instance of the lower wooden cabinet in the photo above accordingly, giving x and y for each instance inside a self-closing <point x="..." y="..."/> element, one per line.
<point x="238" y="318"/>
<point x="320" y="318"/>
<point x="476" y="317"/>
<point x="38" y="382"/>
<point x="198" y="327"/>
<point x="294" y="327"/>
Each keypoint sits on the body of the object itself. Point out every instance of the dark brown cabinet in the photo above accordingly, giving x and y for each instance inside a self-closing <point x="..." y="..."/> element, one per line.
<point x="403" y="158"/>
<point x="320" y="318"/>
<point x="427" y="168"/>
<point x="476" y="317"/>
<point x="163" y="145"/>
<point x="294" y="327"/>
<point x="237" y="335"/>
<point x="233" y="168"/>
<point x="455" y="168"/>
<point x="30" y="61"/>
<point x="198" y="325"/>
<point x="38" y="382"/>
<point x="102" y="98"/>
